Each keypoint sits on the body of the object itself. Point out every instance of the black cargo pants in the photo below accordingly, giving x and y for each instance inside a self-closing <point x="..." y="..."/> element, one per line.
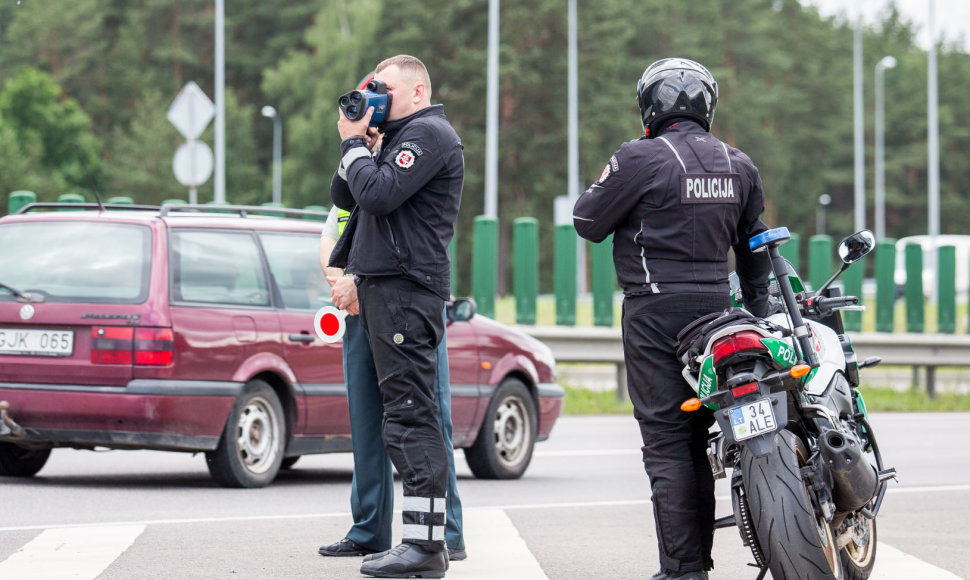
<point x="674" y="442"/>
<point x="404" y="326"/>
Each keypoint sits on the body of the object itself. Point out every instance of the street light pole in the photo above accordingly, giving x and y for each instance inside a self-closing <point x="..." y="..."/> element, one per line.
<point x="270" y="112"/>
<point x="859" y="135"/>
<point x="881" y="66"/>
<point x="823" y="202"/>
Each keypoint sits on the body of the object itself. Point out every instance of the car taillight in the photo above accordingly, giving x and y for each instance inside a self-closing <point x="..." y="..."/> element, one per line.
<point x="154" y="346"/>
<point x="744" y="340"/>
<point x="122" y="345"/>
<point x="112" y="345"/>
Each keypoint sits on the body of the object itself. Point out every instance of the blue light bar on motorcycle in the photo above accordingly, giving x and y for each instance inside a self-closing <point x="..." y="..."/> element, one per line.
<point x="776" y="236"/>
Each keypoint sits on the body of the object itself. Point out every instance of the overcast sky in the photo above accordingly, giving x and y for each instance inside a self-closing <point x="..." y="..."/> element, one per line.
<point x="952" y="17"/>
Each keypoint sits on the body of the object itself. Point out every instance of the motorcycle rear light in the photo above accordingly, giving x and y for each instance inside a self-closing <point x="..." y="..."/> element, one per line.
<point x="746" y="389"/>
<point x="112" y="345"/>
<point x="742" y="341"/>
<point x="154" y="346"/>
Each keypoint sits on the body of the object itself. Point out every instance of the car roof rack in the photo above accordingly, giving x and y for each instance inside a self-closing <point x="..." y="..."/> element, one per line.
<point x="241" y="210"/>
<point x="186" y="208"/>
<point x="84" y="205"/>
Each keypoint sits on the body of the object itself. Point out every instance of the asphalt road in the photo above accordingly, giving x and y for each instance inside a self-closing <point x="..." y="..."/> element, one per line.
<point x="581" y="511"/>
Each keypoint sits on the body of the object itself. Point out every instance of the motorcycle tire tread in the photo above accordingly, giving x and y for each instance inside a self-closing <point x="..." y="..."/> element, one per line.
<point x="783" y="515"/>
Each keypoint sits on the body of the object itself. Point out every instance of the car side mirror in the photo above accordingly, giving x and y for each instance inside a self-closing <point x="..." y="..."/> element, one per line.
<point x="461" y="309"/>
<point x="857" y="246"/>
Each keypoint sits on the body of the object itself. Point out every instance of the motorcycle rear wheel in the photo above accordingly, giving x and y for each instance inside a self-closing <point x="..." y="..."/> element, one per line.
<point x="796" y="541"/>
<point x="859" y="555"/>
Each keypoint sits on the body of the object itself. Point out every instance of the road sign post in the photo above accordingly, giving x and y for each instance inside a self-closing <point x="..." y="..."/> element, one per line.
<point x="190" y="113"/>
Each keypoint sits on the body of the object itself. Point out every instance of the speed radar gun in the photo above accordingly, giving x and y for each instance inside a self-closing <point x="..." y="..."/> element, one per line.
<point x="355" y="103"/>
<point x="807" y="477"/>
<point x="330" y="324"/>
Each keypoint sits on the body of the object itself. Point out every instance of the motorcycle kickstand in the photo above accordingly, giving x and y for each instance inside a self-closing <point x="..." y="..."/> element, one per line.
<point x="761" y="573"/>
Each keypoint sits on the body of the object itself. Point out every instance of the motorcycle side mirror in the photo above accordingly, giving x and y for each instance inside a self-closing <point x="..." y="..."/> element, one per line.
<point x="851" y="250"/>
<point x="460" y="309"/>
<point x="857" y="246"/>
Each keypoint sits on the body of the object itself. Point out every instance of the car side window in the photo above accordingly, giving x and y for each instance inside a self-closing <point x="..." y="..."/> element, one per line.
<point x="294" y="261"/>
<point x="217" y="267"/>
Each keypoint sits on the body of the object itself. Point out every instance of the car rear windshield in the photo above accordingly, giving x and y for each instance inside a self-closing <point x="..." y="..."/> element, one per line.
<point x="76" y="261"/>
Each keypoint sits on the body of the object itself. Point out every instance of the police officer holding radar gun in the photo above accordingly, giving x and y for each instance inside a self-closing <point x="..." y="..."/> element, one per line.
<point x="403" y="206"/>
<point x="677" y="200"/>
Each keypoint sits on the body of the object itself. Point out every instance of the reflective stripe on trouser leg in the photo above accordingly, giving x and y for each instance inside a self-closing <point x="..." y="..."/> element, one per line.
<point x="424" y="518"/>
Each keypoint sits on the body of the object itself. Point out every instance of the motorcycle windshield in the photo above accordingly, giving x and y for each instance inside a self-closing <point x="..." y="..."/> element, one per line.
<point x="773" y="288"/>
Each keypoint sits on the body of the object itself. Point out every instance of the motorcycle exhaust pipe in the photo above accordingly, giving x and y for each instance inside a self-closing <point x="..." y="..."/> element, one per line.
<point x="855" y="478"/>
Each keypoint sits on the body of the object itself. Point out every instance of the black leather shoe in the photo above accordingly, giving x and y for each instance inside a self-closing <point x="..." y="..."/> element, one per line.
<point x="407" y="561"/>
<point x="456" y="554"/>
<point x="345" y="547"/>
<point x="376" y="555"/>
<point x="694" y="575"/>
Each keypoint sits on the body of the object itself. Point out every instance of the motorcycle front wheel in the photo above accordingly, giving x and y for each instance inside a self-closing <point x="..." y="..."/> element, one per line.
<point x="794" y="537"/>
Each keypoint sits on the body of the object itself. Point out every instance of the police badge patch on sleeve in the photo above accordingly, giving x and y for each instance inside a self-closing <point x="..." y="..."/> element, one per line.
<point x="710" y="188"/>
<point x="612" y="167"/>
<point x="404" y="159"/>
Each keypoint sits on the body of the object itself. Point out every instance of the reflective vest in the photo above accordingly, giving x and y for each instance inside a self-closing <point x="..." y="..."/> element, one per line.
<point x="342" y="217"/>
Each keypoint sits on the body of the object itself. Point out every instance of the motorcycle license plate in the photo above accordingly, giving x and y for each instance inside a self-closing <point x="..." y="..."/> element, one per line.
<point x="752" y="419"/>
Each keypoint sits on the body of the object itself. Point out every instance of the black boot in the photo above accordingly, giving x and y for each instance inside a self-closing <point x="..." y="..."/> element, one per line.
<point x="665" y="575"/>
<point x="407" y="561"/>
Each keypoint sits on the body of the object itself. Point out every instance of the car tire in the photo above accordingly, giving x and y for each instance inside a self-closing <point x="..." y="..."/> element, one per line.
<point x="17" y="461"/>
<point x="250" y="450"/>
<point x="507" y="437"/>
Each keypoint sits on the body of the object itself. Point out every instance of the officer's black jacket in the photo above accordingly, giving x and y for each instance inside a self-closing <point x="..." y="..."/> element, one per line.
<point x="404" y="202"/>
<point x="676" y="204"/>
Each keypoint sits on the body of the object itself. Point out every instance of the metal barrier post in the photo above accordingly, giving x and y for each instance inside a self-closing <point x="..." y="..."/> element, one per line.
<point x="485" y="264"/>
<point x="946" y="289"/>
<point x="319" y="208"/>
<point x="565" y="274"/>
<point x="789" y="250"/>
<point x="19" y="199"/>
<point x="70" y="198"/>
<point x="525" y="241"/>
<point x="852" y="279"/>
<point x="885" y="285"/>
<point x="819" y="260"/>
<point x="603" y="281"/>
<point x="913" y="289"/>
<point x="452" y="252"/>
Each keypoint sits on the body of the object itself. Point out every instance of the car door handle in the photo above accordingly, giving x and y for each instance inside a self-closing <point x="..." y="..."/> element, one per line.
<point x="302" y="337"/>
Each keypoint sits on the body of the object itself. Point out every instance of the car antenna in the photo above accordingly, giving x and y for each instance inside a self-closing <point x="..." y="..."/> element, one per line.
<point x="87" y="173"/>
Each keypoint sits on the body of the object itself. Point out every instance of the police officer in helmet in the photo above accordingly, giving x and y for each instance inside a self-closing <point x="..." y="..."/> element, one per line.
<point x="677" y="200"/>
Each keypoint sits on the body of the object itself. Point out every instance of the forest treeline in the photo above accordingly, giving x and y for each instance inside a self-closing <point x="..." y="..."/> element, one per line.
<point x="85" y="85"/>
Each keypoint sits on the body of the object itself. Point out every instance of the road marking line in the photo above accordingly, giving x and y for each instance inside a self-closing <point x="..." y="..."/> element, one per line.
<point x="497" y="549"/>
<point x="892" y="564"/>
<point x="77" y="553"/>
<point x="629" y="502"/>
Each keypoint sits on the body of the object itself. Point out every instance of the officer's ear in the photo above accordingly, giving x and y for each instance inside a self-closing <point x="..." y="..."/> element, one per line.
<point x="420" y="92"/>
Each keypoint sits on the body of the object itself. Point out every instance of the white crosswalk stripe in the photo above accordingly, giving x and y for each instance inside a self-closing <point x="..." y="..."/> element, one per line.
<point x="84" y="552"/>
<point x="75" y="553"/>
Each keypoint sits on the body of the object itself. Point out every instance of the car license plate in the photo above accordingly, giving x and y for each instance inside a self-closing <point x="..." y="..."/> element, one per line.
<point x="21" y="341"/>
<point x="752" y="419"/>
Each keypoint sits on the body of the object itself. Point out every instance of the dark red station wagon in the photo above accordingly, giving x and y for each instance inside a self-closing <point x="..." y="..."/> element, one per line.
<point x="190" y="328"/>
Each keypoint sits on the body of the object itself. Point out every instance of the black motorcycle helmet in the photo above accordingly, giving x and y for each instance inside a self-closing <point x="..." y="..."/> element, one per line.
<point x="676" y="87"/>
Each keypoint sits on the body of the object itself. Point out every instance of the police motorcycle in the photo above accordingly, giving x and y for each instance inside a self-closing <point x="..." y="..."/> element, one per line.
<point x="807" y="476"/>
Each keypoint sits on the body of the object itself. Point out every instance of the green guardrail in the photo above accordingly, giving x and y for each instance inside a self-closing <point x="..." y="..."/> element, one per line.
<point x="602" y="281"/>
<point x="19" y="199"/>
<point x="485" y="264"/>
<point x="525" y="245"/>
<point x="564" y="276"/>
